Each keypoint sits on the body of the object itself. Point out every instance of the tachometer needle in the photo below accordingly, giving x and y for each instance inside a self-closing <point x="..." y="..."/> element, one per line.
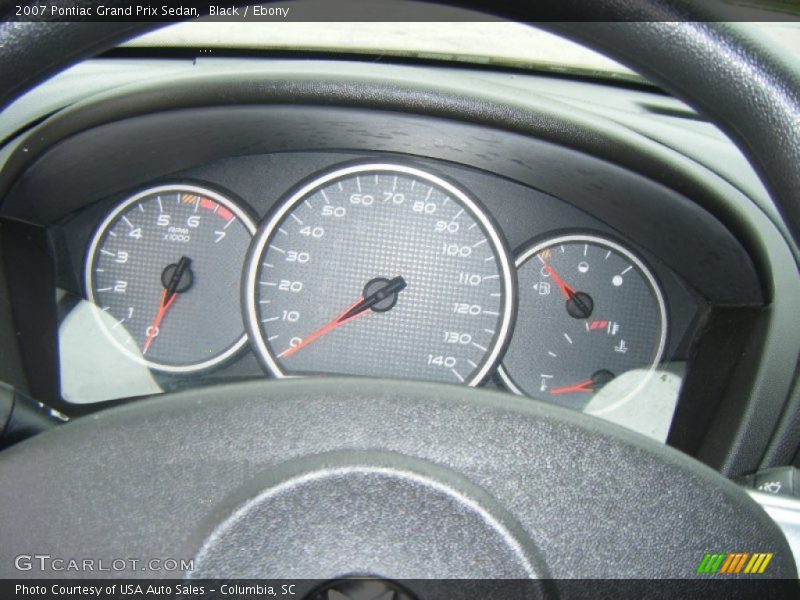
<point x="167" y="299"/>
<point x="379" y="290"/>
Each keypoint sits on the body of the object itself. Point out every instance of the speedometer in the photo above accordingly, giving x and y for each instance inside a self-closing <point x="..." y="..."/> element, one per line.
<point x="380" y="270"/>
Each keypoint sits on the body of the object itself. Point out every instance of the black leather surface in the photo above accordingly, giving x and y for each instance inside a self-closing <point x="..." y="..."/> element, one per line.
<point x="31" y="52"/>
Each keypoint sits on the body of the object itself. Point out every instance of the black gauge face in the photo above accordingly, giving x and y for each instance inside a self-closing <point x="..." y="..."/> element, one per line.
<point x="165" y="268"/>
<point x="593" y="317"/>
<point x="380" y="270"/>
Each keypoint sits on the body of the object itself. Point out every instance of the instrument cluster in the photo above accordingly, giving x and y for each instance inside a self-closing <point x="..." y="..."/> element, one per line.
<point x="373" y="268"/>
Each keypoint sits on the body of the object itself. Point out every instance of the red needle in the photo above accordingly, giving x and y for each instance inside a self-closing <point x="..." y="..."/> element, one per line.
<point x="567" y="290"/>
<point x="583" y="386"/>
<point x="171" y="290"/>
<point x="162" y="310"/>
<point x="330" y="326"/>
<point x="380" y="290"/>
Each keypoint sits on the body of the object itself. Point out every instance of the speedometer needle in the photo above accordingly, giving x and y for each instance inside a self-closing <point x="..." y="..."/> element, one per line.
<point x="167" y="298"/>
<point x="376" y="291"/>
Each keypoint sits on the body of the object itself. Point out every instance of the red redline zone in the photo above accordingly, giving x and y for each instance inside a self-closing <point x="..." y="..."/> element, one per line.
<point x="209" y="205"/>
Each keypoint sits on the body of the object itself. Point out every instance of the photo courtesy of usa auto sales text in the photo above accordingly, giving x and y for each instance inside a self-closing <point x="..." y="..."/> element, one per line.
<point x="125" y="589"/>
<point x="144" y="590"/>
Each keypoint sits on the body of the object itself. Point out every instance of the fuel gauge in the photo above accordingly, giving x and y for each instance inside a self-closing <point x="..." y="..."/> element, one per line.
<point x="591" y="316"/>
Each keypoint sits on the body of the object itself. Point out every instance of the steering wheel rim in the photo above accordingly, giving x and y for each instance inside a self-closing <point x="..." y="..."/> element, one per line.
<point x="682" y="45"/>
<point x="771" y="139"/>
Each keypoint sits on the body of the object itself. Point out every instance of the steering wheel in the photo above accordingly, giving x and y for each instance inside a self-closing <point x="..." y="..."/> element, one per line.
<point x="330" y="478"/>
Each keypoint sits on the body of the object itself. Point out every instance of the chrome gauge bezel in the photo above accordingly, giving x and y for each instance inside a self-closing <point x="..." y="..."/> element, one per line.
<point x="531" y="251"/>
<point x="98" y="235"/>
<point x="269" y="227"/>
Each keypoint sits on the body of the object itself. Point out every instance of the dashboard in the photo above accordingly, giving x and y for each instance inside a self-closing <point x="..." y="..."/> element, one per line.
<point x="185" y="240"/>
<point x="347" y="300"/>
<point x="372" y="264"/>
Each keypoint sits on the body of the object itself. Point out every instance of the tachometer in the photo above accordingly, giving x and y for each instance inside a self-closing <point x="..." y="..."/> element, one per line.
<point x="166" y="266"/>
<point x="380" y="270"/>
<point x="593" y="315"/>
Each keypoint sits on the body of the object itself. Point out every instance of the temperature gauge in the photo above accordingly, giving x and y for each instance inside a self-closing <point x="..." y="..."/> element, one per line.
<point x="591" y="316"/>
